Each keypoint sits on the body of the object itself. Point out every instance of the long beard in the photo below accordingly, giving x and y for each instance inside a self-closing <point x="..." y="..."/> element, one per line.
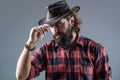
<point x="64" y="39"/>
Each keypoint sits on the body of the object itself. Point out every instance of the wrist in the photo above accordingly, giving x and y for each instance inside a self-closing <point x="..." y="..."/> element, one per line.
<point x="29" y="48"/>
<point x="30" y="44"/>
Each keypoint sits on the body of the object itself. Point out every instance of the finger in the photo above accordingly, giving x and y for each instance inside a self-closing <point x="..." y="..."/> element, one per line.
<point x="44" y="28"/>
<point x="41" y="30"/>
<point x="47" y="25"/>
<point x="34" y="29"/>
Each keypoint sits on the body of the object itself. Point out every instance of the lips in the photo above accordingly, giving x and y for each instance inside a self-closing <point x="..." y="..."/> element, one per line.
<point x="56" y="36"/>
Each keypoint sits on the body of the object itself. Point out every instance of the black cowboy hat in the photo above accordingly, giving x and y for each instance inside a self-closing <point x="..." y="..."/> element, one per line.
<point x="57" y="11"/>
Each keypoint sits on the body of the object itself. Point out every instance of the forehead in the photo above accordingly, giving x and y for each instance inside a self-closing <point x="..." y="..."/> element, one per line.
<point x="63" y="20"/>
<point x="60" y="23"/>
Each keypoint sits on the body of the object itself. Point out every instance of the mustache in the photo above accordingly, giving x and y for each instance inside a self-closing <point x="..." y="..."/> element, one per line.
<point x="58" y="34"/>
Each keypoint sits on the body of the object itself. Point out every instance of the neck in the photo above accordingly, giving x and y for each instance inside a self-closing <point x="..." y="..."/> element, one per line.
<point x="74" y="37"/>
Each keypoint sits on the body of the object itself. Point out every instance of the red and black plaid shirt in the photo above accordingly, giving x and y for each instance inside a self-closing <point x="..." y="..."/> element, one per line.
<point x="85" y="60"/>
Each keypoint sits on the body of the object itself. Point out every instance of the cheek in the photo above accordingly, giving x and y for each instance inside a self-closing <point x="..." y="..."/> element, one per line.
<point x="67" y="26"/>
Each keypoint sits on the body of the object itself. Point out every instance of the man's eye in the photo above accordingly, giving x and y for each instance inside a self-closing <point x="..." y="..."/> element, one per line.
<point x="60" y="24"/>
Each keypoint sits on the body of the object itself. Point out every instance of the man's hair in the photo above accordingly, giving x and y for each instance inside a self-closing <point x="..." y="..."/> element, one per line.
<point x="77" y="22"/>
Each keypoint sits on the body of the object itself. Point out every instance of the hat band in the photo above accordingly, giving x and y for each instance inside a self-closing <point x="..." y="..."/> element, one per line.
<point x="48" y="19"/>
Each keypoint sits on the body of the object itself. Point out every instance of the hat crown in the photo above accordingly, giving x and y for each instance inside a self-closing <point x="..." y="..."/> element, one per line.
<point x="57" y="9"/>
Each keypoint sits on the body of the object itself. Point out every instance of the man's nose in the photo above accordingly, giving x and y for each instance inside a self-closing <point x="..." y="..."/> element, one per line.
<point x="55" y="28"/>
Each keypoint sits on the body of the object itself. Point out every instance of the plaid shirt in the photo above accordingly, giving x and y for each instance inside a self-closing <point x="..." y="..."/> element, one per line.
<point x="85" y="60"/>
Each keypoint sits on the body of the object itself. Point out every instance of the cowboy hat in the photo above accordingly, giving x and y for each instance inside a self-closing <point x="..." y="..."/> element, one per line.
<point x="57" y="11"/>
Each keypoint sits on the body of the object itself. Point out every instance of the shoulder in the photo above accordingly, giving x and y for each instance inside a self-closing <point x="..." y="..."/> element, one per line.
<point x="45" y="47"/>
<point x="91" y="46"/>
<point x="49" y="43"/>
<point x="94" y="48"/>
<point x="91" y="43"/>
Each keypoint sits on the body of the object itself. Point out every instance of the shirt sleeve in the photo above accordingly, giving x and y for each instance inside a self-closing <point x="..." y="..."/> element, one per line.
<point x="38" y="63"/>
<point x="102" y="69"/>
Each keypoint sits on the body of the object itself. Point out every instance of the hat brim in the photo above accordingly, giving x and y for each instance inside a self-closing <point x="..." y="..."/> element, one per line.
<point x="56" y="19"/>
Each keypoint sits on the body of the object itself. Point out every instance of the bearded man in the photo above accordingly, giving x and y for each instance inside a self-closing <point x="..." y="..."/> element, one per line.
<point x="69" y="56"/>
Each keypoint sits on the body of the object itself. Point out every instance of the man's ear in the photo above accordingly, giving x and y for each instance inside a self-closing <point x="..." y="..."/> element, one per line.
<point x="72" y="20"/>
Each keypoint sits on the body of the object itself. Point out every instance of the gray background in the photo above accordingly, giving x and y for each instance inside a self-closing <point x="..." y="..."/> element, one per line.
<point x="101" y="22"/>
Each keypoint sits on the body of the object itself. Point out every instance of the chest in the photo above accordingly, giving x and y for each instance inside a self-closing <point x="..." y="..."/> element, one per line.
<point x="76" y="60"/>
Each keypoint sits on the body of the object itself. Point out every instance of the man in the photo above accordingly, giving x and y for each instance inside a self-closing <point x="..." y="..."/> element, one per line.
<point x="69" y="56"/>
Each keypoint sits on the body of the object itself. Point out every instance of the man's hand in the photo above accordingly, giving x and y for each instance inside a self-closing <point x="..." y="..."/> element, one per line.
<point x="36" y="34"/>
<point x="24" y="61"/>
